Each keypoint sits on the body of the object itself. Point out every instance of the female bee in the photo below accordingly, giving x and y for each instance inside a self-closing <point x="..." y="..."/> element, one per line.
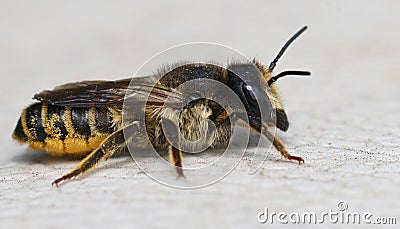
<point x="86" y="118"/>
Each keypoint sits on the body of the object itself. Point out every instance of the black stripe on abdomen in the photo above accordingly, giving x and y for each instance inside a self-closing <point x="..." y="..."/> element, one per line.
<point x="80" y="120"/>
<point x="104" y="120"/>
<point x="19" y="132"/>
<point x="56" y="118"/>
<point x="34" y="122"/>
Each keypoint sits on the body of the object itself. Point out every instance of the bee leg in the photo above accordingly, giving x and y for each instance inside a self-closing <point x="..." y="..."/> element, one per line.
<point x="263" y="130"/>
<point x="175" y="156"/>
<point x="106" y="149"/>
<point x="278" y="144"/>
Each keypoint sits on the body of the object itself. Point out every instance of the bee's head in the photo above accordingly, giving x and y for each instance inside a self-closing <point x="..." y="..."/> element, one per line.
<point x="254" y="84"/>
<point x="260" y="104"/>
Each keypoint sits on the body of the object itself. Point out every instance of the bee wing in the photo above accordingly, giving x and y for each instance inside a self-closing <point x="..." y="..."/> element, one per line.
<point x="109" y="93"/>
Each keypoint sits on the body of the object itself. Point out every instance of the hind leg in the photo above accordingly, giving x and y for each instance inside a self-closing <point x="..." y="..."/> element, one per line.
<point x="107" y="148"/>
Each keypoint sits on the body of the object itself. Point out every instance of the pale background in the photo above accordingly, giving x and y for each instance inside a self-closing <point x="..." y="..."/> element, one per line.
<point x="344" y="119"/>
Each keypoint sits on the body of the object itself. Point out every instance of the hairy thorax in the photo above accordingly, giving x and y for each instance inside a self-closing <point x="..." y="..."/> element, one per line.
<point x="197" y="127"/>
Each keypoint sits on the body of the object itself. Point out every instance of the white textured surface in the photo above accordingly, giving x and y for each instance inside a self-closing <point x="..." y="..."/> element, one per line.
<point x="344" y="120"/>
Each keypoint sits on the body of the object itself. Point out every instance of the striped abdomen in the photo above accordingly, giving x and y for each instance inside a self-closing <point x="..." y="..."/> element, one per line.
<point x="65" y="130"/>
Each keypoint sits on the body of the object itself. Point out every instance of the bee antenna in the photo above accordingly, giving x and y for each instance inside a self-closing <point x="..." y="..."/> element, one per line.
<point x="283" y="49"/>
<point x="288" y="73"/>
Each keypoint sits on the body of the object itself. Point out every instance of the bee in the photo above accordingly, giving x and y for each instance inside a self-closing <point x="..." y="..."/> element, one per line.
<point x="85" y="119"/>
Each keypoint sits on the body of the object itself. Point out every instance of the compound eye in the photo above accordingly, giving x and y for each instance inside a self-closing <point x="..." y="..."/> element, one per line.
<point x="250" y="95"/>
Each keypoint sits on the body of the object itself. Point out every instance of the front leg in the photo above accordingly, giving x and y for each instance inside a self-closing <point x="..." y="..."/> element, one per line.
<point x="278" y="144"/>
<point x="262" y="129"/>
